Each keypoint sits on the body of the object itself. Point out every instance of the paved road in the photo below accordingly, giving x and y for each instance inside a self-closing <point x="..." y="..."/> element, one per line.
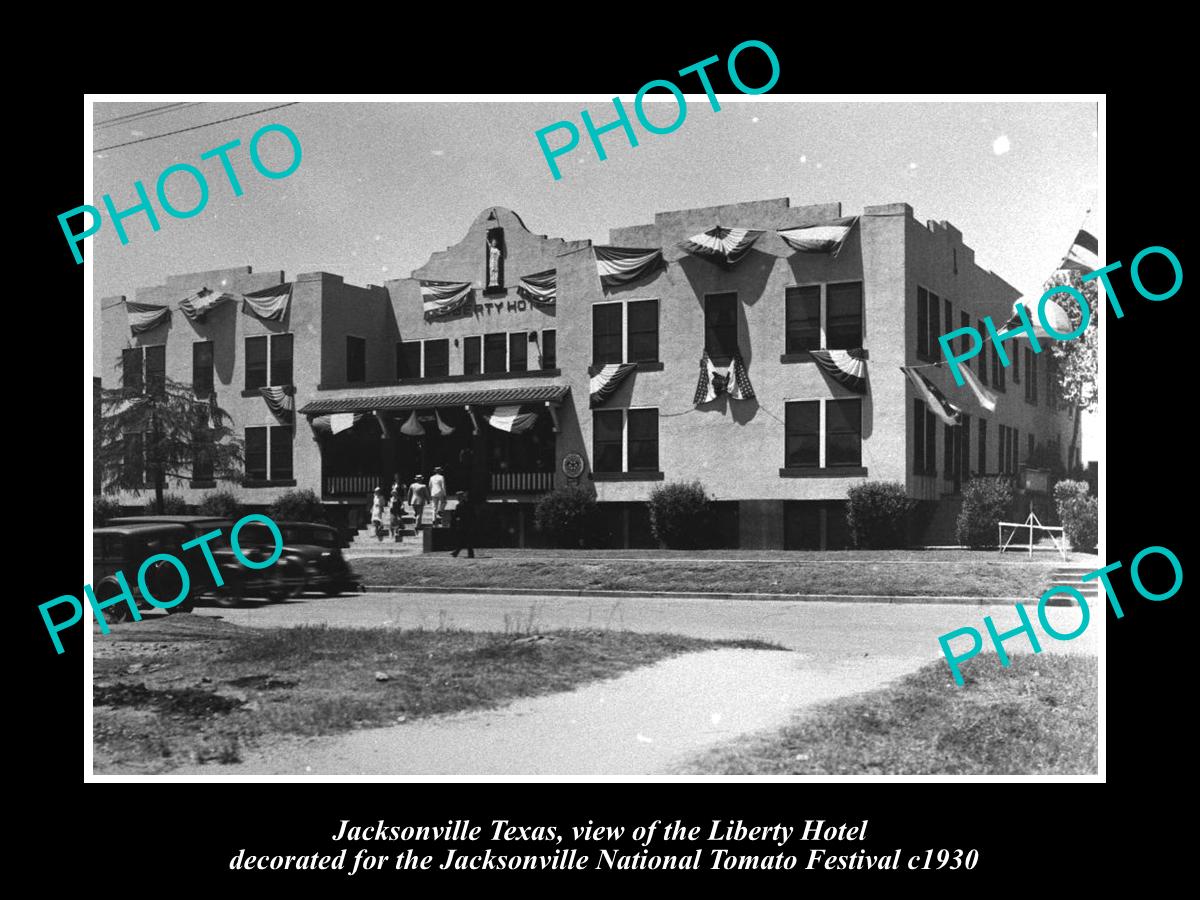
<point x="819" y="630"/>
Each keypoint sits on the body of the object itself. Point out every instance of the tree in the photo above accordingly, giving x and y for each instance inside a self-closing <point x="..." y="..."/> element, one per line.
<point x="1076" y="361"/>
<point x="147" y="437"/>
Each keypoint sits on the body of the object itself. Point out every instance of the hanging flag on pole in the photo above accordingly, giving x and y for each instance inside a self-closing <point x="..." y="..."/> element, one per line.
<point x="847" y="367"/>
<point x="934" y="398"/>
<point x="717" y="380"/>
<point x="1056" y="316"/>
<point x="1084" y="255"/>
<point x="985" y="396"/>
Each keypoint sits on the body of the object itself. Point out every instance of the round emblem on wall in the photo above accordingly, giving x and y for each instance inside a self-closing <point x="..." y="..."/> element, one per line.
<point x="572" y="465"/>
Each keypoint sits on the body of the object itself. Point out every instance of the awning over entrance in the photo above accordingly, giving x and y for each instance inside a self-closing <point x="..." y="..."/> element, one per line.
<point x="554" y="393"/>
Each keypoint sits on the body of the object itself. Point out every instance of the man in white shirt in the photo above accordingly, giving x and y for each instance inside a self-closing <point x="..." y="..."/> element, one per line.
<point x="437" y="493"/>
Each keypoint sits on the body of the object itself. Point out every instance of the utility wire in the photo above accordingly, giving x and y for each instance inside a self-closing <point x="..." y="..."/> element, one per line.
<point x="193" y="127"/>
<point x="144" y="114"/>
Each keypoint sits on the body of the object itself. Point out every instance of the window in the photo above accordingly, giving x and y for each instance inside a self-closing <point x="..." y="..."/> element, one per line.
<point x="948" y="456"/>
<point x="495" y="352"/>
<point x="625" y="440"/>
<point x="929" y="321"/>
<point x="256" y="454"/>
<point x="281" y="359"/>
<point x="1016" y="449"/>
<point x="518" y="351"/>
<point x="256" y="362"/>
<point x="156" y="369"/>
<point x="997" y="369"/>
<point x="606" y="440"/>
<point x="1031" y="376"/>
<point x="269" y="453"/>
<point x="843" y="316"/>
<point x="131" y="370"/>
<point x="1052" y="382"/>
<point x="437" y="358"/>
<point x="924" y="439"/>
<point x="1014" y="357"/>
<point x="964" y="457"/>
<point x="1028" y="447"/>
<point x="202" y="368"/>
<point x="803" y="322"/>
<point x="721" y="327"/>
<point x="983" y="353"/>
<point x="356" y="359"/>
<point x="843" y="433"/>
<point x="983" y="446"/>
<point x="472" y="355"/>
<point x="202" y="463"/>
<point x="408" y="359"/>
<point x="802" y="444"/>
<point x="643" y="440"/>
<point x="607" y="339"/>
<point x="949" y="320"/>
<point x="964" y="321"/>
<point x="935" y="349"/>
<point x="643" y="331"/>
<point x="550" y="349"/>
<point x="134" y="460"/>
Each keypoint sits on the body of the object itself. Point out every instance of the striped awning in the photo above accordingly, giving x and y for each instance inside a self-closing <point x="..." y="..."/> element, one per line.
<point x="554" y="393"/>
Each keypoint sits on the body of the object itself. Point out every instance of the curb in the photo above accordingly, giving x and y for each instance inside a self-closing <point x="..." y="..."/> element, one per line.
<point x="700" y="595"/>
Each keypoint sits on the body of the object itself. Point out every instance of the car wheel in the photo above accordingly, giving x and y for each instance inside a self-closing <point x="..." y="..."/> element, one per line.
<point x="118" y="612"/>
<point x="231" y="593"/>
<point x="292" y="582"/>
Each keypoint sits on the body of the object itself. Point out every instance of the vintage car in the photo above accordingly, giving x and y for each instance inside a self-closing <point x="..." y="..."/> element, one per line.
<point x="327" y="568"/>
<point x="286" y="578"/>
<point x="124" y="547"/>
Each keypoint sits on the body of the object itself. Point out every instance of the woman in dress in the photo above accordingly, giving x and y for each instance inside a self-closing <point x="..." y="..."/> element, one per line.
<point x="378" y="512"/>
<point x="397" y="510"/>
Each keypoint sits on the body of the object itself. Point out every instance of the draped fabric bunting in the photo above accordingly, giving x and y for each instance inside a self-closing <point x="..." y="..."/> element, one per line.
<point x="934" y="398"/>
<point x="144" y="317"/>
<point x="440" y="298"/>
<point x="846" y="367"/>
<point x="197" y="306"/>
<point x="320" y="425"/>
<point x="270" y="305"/>
<point x="726" y="246"/>
<point x="510" y="418"/>
<point x="824" y="237"/>
<point x="605" y="382"/>
<point x="621" y="265"/>
<point x="281" y="403"/>
<point x="985" y="396"/>
<point x="540" y="288"/>
<point x="339" y="422"/>
<point x="443" y="428"/>
<point x="715" y="381"/>
<point x="1055" y="315"/>
<point x="385" y="424"/>
<point x="412" y="426"/>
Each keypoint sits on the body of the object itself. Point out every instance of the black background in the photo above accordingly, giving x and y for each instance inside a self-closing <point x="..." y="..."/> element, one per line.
<point x="1032" y="833"/>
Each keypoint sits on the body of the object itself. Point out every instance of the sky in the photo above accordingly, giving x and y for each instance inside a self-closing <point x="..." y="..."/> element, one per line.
<point x="382" y="186"/>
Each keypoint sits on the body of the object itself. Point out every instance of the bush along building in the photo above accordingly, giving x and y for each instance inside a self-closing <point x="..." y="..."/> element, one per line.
<point x="756" y="347"/>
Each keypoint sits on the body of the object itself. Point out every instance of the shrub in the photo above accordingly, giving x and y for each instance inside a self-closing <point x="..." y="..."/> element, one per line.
<point x="298" y="506"/>
<point x="1078" y="512"/>
<point x="568" y="516"/>
<point x="681" y="515"/>
<point x="985" y="502"/>
<point x="173" y="505"/>
<point x="103" y="509"/>
<point x="878" y="514"/>
<point x="224" y="504"/>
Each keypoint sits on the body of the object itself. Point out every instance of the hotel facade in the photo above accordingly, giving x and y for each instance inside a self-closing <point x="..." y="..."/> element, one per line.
<point x="487" y="359"/>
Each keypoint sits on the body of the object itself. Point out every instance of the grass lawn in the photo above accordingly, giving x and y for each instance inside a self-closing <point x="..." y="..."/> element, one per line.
<point x="196" y="689"/>
<point x="895" y="573"/>
<point x="1036" y="717"/>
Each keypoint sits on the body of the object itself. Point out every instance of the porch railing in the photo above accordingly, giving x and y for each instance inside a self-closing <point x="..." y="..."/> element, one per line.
<point x="350" y="485"/>
<point x="522" y="482"/>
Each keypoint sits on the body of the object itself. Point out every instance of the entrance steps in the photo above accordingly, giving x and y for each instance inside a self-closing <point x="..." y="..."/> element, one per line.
<point x="1068" y="575"/>
<point x="412" y="535"/>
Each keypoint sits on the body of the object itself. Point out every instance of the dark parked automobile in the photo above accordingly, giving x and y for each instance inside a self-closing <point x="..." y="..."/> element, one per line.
<point x="124" y="547"/>
<point x="286" y="578"/>
<point x="327" y="568"/>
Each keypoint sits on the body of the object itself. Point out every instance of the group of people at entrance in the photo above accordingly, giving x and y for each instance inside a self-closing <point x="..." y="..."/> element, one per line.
<point x="387" y="513"/>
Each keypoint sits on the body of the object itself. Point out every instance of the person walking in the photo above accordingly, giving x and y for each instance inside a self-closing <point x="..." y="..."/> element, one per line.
<point x="418" y="496"/>
<point x="378" y="513"/>
<point x="397" y="510"/>
<point x="464" y="525"/>
<point x="437" y="494"/>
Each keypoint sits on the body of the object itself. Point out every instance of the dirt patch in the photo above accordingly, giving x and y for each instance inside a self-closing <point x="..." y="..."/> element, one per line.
<point x="178" y="701"/>
<point x="262" y="682"/>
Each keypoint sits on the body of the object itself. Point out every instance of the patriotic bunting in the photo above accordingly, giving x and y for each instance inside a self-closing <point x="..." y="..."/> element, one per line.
<point x="714" y="381"/>
<point x="320" y="425"/>
<point x="540" y="288"/>
<point x="280" y="402"/>
<point x="985" y="396"/>
<point x="145" y="317"/>
<point x="443" y="428"/>
<point x="605" y="382"/>
<point x="824" y="237"/>
<point x="197" y="306"/>
<point x="270" y="305"/>
<point x="339" y="422"/>
<point x="934" y="398"/>
<point x="621" y="265"/>
<point x="385" y="424"/>
<point x="510" y="418"/>
<point x="1055" y="315"/>
<point x="412" y="426"/>
<point x="441" y="298"/>
<point x="846" y="367"/>
<point x="726" y="246"/>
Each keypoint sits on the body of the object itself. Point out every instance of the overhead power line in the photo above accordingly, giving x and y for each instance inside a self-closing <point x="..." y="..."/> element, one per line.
<point x="144" y="114"/>
<point x="193" y="127"/>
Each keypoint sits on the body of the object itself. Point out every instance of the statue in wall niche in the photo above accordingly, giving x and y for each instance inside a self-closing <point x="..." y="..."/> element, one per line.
<point x="495" y="259"/>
